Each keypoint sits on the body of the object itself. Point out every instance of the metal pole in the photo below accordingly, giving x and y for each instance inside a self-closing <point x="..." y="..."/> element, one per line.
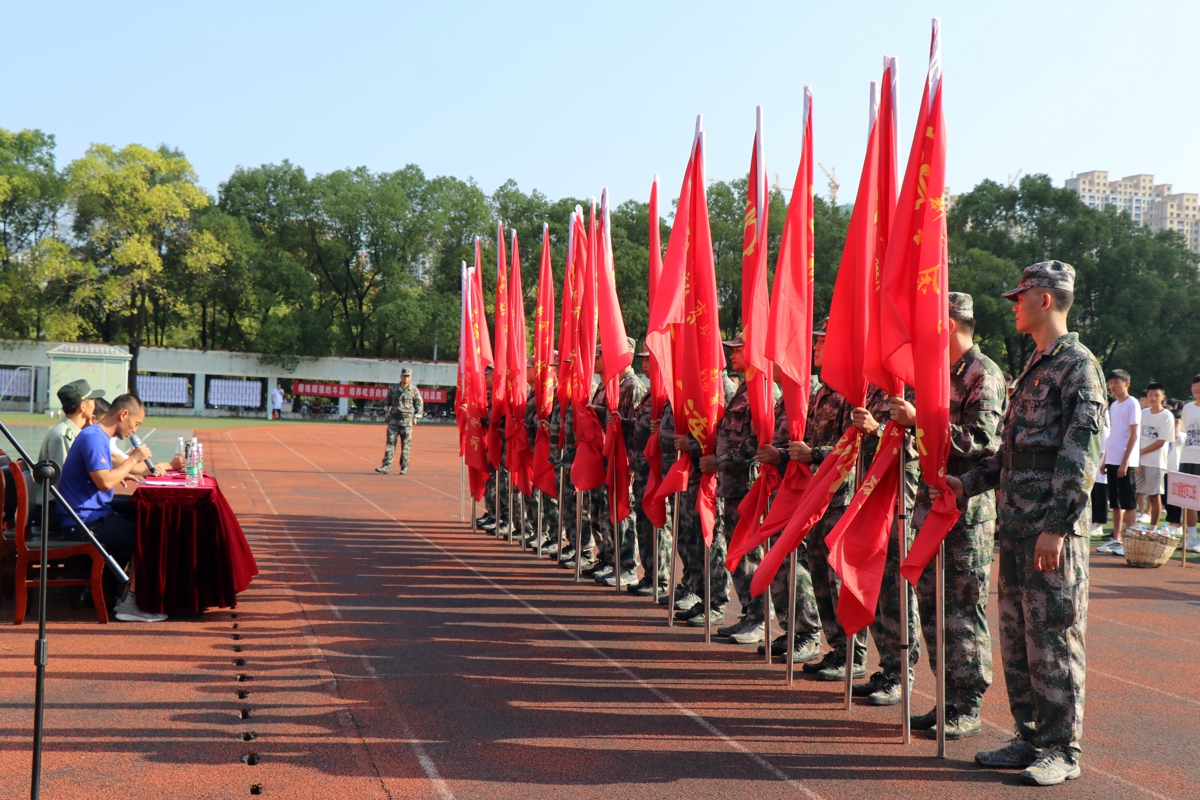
<point x="562" y="479"/>
<point x="578" y="532"/>
<point x="941" y="650"/>
<point x="851" y="646"/>
<point x="791" y="631"/>
<point x="768" y="600"/>
<point x="674" y="559"/>
<point x="538" y="531"/>
<point x="496" y="529"/>
<point x="707" y="592"/>
<point x="462" y="489"/>
<point x="905" y="644"/>
<point x="46" y="472"/>
<point x="511" y="521"/>
<point x="657" y="532"/>
<point x="474" y="519"/>
<point x="618" y="539"/>
<point x="521" y="507"/>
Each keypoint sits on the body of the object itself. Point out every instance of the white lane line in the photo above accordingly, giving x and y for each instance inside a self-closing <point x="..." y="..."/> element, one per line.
<point x="1144" y="686"/>
<point x="419" y="750"/>
<point x="658" y="693"/>
<point x="1154" y="634"/>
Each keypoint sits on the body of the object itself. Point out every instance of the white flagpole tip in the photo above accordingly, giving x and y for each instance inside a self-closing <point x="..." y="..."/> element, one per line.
<point x="656" y="177"/>
<point x="699" y="123"/>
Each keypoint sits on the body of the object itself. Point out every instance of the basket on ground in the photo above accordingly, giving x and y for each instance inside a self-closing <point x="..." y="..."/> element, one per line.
<point x="1150" y="549"/>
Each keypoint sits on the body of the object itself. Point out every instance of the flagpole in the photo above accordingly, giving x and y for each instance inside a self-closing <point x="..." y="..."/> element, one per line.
<point x="578" y="533"/>
<point x="538" y="531"/>
<point x="768" y="603"/>
<point x="510" y="507"/>
<point x="657" y="542"/>
<point x="618" y="540"/>
<point x="941" y="649"/>
<point x="462" y="488"/>
<point x="860" y="474"/>
<point x="791" y="636"/>
<point x="707" y="591"/>
<point x="474" y="519"/>
<point x="562" y="477"/>
<point x="521" y="513"/>
<point x="905" y="644"/>
<point x="674" y="558"/>
<point x="496" y="529"/>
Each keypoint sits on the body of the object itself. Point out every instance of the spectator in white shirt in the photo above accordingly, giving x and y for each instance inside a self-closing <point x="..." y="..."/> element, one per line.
<point x="277" y="403"/>
<point x="1120" y="457"/>
<point x="1100" y="487"/>
<point x="1157" y="432"/>
<point x="1189" y="457"/>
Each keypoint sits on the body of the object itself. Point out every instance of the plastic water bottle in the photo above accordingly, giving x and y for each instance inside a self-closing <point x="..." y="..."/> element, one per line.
<point x="192" y="468"/>
<point x="199" y="460"/>
<point x="180" y="449"/>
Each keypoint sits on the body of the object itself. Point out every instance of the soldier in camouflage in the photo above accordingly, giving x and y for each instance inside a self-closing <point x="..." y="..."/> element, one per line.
<point x="496" y="520"/>
<point x="404" y="408"/>
<point x="883" y="688"/>
<point x="829" y="416"/>
<point x="631" y="393"/>
<point x="733" y="461"/>
<point x="637" y="436"/>
<point x="1043" y="477"/>
<point x="549" y="520"/>
<point x="562" y="422"/>
<point x="976" y="400"/>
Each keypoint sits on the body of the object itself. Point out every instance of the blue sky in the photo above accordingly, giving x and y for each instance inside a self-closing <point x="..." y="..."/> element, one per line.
<point x="569" y="98"/>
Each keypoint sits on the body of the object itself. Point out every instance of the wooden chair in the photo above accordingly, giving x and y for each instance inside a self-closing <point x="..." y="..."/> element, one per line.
<point x="8" y="549"/>
<point x="29" y="552"/>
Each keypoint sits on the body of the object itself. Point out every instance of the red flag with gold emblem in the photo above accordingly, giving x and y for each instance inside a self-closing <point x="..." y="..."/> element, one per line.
<point x="755" y="320"/>
<point x="916" y="320"/>
<point x="660" y="380"/>
<point x="518" y="454"/>
<point x="566" y="334"/>
<point x="617" y="357"/>
<point x="543" y="371"/>
<point x="500" y="365"/>
<point x="687" y="299"/>
<point x="474" y="388"/>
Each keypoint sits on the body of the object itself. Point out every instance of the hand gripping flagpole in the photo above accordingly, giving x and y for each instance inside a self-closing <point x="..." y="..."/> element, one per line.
<point x="905" y="633"/>
<point x="674" y="559"/>
<point x="941" y="649"/>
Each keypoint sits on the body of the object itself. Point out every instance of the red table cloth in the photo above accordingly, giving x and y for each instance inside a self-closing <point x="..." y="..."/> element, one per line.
<point x="191" y="553"/>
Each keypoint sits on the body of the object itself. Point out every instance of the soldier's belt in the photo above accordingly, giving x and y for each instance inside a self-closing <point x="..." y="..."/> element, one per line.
<point x="1030" y="460"/>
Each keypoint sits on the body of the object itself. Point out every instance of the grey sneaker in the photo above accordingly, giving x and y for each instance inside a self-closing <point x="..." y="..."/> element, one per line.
<point x="750" y="634"/>
<point x="127" y="611"/>
<point x="686" y="601"/>
<point x="870" y="687"/>
<point x="382" y="470"/>
<point x="959" y="725"/>
<point x="716" y="616"/>
<point x="729" y="630"/>
<point x="836" y="671"/>
<point x="807" y="651"/>
<point x="1052" y="767"/>
<point x="628" y="578"/>
<point x="887" y="691"/>
<point x="1017" y="754"/>
<point x="828" y="660"/>
<point x="928" y="720"/>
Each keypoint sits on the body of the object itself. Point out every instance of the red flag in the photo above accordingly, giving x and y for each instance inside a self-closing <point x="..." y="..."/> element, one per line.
<point x="789" y="337"/>
<point x="858" y="543"/>
<point x="587" y="470"/>
<point x="543" y="371"/>
<point x="614" y="346"/>
<point x="480" y="334"/>
<point x="474" y="387"/>
<point x="566" y="333"/>
<point x="688" y="300"/>
<point x="518" y="453"/>
<point x="460" y="396"/>
<point x="755" y="319"/>
<point x="654" y="506"/>
<point x="501" y="366"/>
<point x="916" y="320"/>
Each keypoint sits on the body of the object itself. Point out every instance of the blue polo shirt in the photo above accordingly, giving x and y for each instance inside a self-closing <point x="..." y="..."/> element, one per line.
<point x="90" y="452"/>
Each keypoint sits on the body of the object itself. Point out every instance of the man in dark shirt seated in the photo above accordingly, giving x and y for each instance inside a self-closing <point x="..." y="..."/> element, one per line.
<point x="87" y="483"/>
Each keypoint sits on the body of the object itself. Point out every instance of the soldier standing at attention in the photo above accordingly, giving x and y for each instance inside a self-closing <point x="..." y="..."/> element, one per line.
<point x="732" y="460"/>
<point x="1043" y="478"/>
<point x="976" y="398"/>
<point x="404" y="407"/>
<point x="637" y="437"/>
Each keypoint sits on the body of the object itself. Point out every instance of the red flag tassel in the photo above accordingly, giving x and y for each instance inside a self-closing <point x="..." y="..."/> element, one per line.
<point x="941" y="519"/>
<point x="618" y="470"/>
<point x="751" y="511"/>
<point x="543" y="471"/>
<point x="654" y="507"/>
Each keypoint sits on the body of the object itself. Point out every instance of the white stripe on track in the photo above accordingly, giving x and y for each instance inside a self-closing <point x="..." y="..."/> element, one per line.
<point x="683" y="710"/>
<point x="419" y="750"/>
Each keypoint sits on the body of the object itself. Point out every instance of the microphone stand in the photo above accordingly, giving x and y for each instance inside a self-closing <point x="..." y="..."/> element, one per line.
<point x="47" y="472"/>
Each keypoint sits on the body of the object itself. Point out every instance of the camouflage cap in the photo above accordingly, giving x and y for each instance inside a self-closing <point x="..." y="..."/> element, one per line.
<point x="628" y="340"/>
<point x="737" y="341"/>
<point x="75" y="392"/>
<point x="406" y="371"/>
<point x="961" y="306"/>
<point x="819" y="329"/>
<point x="1047" y="274"/>
<point x="645" y="351"/>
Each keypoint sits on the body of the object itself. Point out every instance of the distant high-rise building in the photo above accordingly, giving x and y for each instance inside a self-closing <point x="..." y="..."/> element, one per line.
<point x="1150" y="204"/>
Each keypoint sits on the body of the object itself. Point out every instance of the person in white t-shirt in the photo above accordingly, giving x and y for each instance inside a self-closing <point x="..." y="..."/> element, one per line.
<point x="1189" y="457"/>
<point x="277" y="403"/>
<point x="1157" y="432"/>
<point x="1100" y="487"/>
<point x="1121" y="458"/>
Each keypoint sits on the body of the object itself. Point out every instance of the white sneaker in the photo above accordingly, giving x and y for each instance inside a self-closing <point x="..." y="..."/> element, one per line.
<point x="1107" y="546"/>
<point x="1097" y="530"/>
<point x="1143" y="519"/>
<point x="1117" y="549"/>
<point x="1193" y="544"/>
<point x="127" y="611"/>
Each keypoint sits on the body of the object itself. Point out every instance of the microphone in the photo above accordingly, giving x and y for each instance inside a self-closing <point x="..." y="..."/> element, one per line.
<point x="135" y="441"/>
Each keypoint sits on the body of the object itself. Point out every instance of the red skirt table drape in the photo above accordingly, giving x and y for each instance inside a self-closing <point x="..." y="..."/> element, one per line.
<point x="191" y="553"/>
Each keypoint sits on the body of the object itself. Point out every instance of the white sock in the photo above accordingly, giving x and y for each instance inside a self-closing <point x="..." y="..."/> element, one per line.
<point x="1192" y="532"/>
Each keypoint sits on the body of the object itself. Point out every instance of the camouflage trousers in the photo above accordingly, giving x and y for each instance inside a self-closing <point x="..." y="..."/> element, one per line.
<point x="549" y="528"/>
<point x="807" y="615"/>
<point x="743" y="573"/>
<point x="498" y="476"/>
<point x="827" y="586"/>
<point x="1043" y="621"/>
<point x="606" y="535"/>
<point x="968" y="642"/>
<point x="691" y="542"/>
<point x="885" y="630"/>
<point x="646" y="538"/>
<point x="397" y="429"/>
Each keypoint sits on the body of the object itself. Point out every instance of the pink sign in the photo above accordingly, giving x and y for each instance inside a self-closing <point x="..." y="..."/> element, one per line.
<point x="1183" y="490"/>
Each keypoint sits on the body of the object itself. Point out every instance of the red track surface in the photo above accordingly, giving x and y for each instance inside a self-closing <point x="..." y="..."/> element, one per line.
<point x="390" y="652"/>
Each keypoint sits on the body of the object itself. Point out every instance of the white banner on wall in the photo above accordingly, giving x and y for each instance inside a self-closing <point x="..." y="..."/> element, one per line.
<point x="247" y="394"/>
<point x="162" y="389"/>
<point x="14" y="383"/>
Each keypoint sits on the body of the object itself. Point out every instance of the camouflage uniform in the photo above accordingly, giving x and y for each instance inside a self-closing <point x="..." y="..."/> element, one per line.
<point x="631" y="393"/>
<point x="549" y="504"/>
<point x="976" y="396"/>
<point x="828" y="418"/>
<point x="808" y="619"/>
<point x="637" y="436"/>
<point x="566" y="505"/>
<point x="404" y="405"/>
<point x="497" y="475"/>
<point x="885" y="630"/>
<point x="735" y="449"/>
<point x="1043" y="479"/>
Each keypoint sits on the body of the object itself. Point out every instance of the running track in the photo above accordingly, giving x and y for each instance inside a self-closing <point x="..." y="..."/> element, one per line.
<point x="388" y="652"/>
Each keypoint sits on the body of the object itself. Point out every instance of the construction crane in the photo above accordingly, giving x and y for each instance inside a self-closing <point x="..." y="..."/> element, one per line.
<point x="833" y="184"/>
<point x="1013" y="179"/>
